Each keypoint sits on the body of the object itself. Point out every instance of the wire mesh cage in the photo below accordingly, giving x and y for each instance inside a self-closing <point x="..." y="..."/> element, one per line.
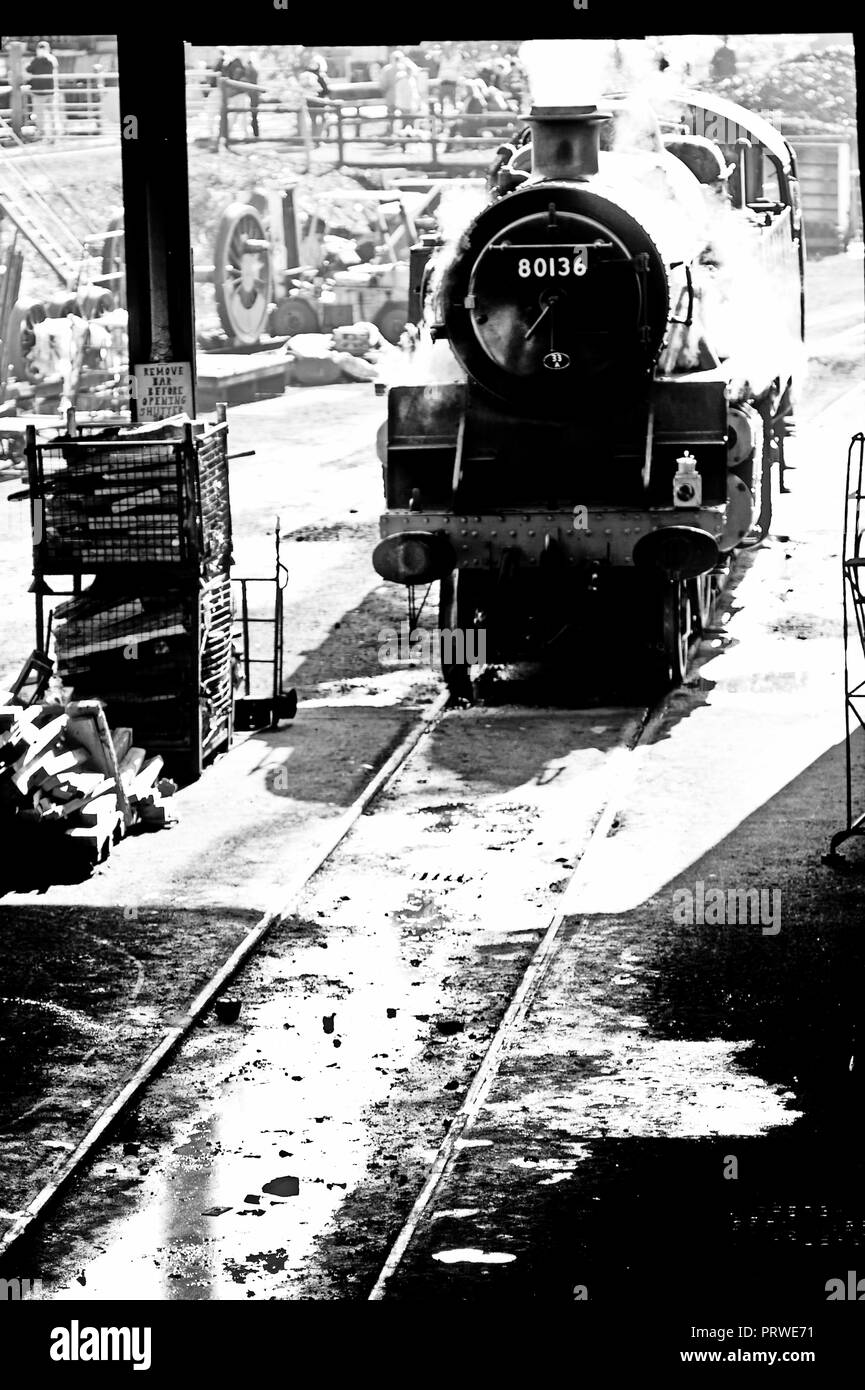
<point x="145" y="512"/>
<point x="135" y="652"/>
<point x="125" y="503"/>
<point x="214" y="504"/>
<point x="217" y="677"/>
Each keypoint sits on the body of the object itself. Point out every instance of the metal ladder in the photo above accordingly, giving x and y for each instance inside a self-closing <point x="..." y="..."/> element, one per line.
<point x="52" y="237"/>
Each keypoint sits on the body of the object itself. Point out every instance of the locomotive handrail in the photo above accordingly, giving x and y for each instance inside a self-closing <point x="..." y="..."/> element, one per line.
<point x="731" y="111"/>
<point x="597" y="244"/>
<point x="689" y="290"/>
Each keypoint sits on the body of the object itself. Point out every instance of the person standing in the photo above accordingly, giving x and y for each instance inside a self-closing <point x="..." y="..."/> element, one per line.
<point x="449" y="75"/>
<point x="313" y="78"/>
<point x="254" y="97"/>
<point x="42" y="71"/>
<point x="236" y="103"/>
<point x="386" y="80"/>
<point x="723" y="61"/>
<point x="467" y="125"/>
<point x="215" y="121"/>
<point x="406" y="90"/>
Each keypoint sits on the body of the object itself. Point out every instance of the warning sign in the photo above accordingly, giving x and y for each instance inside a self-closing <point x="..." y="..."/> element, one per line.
<point x="163" y="389"/>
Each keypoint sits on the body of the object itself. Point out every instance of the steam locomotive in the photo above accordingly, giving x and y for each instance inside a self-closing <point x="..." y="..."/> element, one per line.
<point x="597" y="445"/>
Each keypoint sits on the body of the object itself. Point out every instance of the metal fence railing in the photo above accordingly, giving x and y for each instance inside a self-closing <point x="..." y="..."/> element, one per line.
<point x="236" y="111"/>
<point x="86" y="103"/>
<point x="82" y="103"/>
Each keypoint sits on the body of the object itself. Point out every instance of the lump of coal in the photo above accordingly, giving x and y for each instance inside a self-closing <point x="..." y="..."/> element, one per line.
<point x="282" y="1187"/>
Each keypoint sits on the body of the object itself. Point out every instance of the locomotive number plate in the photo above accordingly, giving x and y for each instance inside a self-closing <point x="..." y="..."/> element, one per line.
<point x="562" y="265"/>
<point x="556" y="361"/>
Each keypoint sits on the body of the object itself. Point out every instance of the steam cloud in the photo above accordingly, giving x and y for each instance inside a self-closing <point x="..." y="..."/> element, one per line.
<point x="578" y="72"/>
<point x="744" y="307"/>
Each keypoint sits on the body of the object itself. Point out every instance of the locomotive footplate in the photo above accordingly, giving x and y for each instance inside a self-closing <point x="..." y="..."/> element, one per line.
<point x="583" y="535"/>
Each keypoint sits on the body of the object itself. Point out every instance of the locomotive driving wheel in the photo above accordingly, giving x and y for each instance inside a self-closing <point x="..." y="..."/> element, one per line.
<point x="243" y="273"/>
<point x="702" y="600"/>
<point x="456" y="615"/>
<point x="677" y="630"/>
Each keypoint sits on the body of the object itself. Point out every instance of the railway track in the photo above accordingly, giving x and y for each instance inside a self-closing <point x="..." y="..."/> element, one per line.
<point x="508" y="1028"/>
<point x="175" y="1035"/>
<point x="607" y="798"/>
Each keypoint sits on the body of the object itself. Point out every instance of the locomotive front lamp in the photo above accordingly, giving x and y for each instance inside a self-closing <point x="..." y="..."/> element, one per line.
<point x="414" y="557"/>
<point x="687" y="484"/>
<point x="682" y="551"/>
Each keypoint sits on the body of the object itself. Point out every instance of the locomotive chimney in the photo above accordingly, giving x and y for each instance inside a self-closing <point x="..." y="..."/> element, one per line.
<point x="566" y="141"/>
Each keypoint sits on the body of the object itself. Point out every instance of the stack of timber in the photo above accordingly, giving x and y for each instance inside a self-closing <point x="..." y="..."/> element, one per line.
<point x="63" y="769"/>
<point x="108" y="507"/>
<point x="159" y="661"/>
<point x="136" y="653"/>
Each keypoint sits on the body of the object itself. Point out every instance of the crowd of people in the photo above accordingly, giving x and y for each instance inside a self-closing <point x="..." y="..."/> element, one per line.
<point x="462" y="81"/>
<point x="239" y="112"/>
<point x="464" y="85"/>
<point x="243" y="78"/>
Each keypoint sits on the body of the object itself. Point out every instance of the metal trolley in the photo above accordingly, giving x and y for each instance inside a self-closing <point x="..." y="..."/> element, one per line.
<point x="250" y="711"/>
<point x="144" y="515"/>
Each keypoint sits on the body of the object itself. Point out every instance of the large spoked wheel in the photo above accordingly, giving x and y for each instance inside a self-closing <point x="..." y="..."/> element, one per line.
<point x="19" y="336"/>
<point x="293" y="315"/>
<point x="783" y="465"/>
<point x="391" y="321"/>
<point x="767" y="478"/>
<point x="676" y="630"/>
<point x="454" y="617"/>
<point x="702" y="600"/>
<point x="243" y="273"/>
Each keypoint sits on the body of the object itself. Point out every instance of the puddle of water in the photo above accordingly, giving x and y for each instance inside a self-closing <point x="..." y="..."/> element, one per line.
<point x="475" y="1257"/>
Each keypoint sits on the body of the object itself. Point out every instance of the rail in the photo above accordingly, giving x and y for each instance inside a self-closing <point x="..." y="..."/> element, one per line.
<point x="87" y="103"/>
<point x="220" y="109"/>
